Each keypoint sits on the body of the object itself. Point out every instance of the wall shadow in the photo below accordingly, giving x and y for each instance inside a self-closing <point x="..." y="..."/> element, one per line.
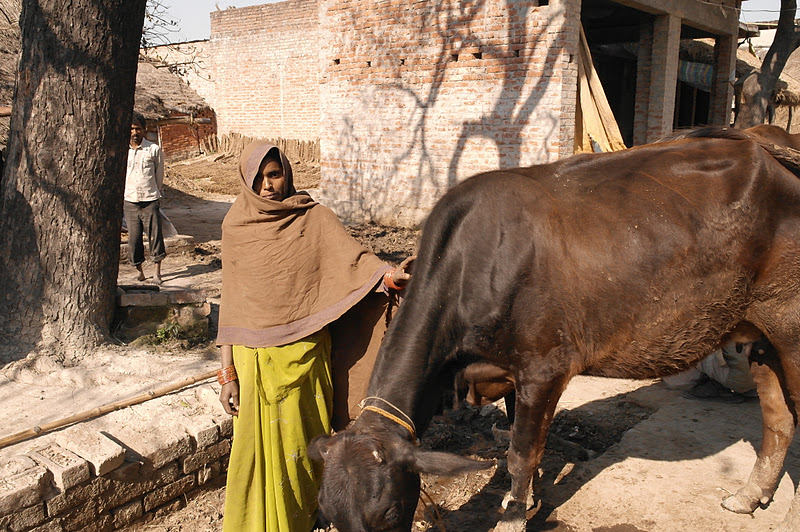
<point x="522" y="78"/>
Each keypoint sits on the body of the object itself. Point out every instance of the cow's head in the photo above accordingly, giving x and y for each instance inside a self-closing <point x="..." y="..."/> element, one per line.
<point x="371" y="483"/>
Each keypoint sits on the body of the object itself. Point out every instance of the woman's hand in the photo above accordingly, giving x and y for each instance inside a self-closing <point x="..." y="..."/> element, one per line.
<point x="229" y="397"/>
<point x="402" y="274"/>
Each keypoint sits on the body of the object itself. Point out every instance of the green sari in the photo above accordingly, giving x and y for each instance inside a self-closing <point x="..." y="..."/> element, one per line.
<point x="284" y="402"/>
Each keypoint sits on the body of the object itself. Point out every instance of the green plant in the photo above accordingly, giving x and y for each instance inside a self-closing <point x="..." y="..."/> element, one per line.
<point x="168" y="331"/>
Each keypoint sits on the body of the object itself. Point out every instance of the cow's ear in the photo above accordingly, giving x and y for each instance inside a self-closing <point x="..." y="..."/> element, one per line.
<point x="437" y="463"/>
<point x="319" y="447"/>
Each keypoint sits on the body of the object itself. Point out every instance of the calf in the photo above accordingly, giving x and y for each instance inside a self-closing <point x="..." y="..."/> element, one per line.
<point x="632" y="264"/>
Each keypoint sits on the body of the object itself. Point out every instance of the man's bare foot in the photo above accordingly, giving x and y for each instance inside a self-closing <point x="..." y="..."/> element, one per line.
<point x="157" y="279"/>
<point x="141" y="276"/>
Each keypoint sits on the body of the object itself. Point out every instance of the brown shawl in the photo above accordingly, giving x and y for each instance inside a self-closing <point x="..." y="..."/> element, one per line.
<point x="288" y="267"/>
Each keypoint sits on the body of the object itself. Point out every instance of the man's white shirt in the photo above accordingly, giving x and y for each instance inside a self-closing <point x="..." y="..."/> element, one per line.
<point x="145" y="173"/>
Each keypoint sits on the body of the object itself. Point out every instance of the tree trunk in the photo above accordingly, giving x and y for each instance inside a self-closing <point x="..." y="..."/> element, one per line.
<point x="758" y="87"/>
<point x="61" y="190"/>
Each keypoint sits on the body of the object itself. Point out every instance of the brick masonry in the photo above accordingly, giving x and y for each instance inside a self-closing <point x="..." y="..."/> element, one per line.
<point x="420" y="96"/>
<point x="409" y="98"/>
<point x="265" y="60"/>
<point x="183" y="141"/>
<point x="107" y="473"/>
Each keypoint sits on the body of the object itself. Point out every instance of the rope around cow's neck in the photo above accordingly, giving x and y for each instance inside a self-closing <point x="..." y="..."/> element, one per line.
<point x="432" y="507"/>
<point x="408" y="426"/>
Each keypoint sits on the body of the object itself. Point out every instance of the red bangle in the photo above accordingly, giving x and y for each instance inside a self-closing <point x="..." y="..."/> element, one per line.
<point x="387" y="280"/>
<point x="226" y="375"/>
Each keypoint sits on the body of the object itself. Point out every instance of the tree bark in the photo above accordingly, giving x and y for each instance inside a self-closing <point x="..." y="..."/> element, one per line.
<point x="758" y="87"/>
<point x="61" y="189"/>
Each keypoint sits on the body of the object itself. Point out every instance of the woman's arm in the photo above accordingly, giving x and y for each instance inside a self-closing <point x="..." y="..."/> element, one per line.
<point x="229" y="395"/>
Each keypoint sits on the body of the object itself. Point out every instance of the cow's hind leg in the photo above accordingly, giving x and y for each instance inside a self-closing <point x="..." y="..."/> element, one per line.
<point x="775" y="379"/>
<point x="535" y="406"/>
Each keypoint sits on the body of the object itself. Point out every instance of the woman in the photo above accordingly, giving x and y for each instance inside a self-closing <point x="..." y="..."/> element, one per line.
<point x="290" y="270"/>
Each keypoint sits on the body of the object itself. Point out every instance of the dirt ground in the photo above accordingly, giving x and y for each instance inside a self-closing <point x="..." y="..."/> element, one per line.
<point x="623" y="455"/>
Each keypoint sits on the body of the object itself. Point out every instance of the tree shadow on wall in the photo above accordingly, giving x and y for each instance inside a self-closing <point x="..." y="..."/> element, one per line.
<point x="411" y="120"/>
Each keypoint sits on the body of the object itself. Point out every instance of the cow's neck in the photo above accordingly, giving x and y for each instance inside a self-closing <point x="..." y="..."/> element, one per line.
<point x="408" y="370"/>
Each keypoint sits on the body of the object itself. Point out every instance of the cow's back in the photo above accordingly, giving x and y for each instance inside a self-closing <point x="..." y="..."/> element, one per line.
<point x="648" y="254"/>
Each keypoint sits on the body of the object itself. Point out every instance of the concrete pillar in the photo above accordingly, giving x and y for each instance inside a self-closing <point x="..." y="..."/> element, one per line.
<point x="663" y="76"/>
<point x="643" y="61"/>
<point x="722" y="85"/>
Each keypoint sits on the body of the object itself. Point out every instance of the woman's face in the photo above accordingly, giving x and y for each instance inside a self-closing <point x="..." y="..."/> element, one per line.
<point x="270" y="182"/>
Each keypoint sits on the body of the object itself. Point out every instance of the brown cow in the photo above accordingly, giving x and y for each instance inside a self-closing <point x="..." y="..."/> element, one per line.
<point x="774" y="135"/>
<point x="631" y="264"/>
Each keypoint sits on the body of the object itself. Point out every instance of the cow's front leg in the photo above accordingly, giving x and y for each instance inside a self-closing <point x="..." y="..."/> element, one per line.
<point x="778" y="430"/>
<point x="535" y="408"/>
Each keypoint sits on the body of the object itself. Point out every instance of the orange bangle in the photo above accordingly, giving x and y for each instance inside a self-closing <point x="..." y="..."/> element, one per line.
<point x="226" y="375"/>
<point x="387" y="280"/>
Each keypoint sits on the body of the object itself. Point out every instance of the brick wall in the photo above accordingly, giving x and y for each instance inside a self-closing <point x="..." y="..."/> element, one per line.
<point x="266" y="63"/>
<point x="419" y="96"/>
<point x="182" y="141"/>
<point x="111" y="471"/>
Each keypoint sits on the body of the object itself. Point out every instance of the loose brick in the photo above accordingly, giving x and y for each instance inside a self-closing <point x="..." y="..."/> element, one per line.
<point x="185" y="296"/>
<point x="101" y="523"/>
<point x="143" y="299"/>
<point x="196" y="461"/>
<point x="68" y="469"/>
<point x="81" y="516"/>
<point x="102" y="453"/>
<point x="23" y="483"/>
<point x="203" y="431"/>
<point x="53" y="525"/>
<point x="122" y="492"/>
<point x="155" y="446"/>
<point x="23" y="519"/>
<point x="77" y="496"/>
<point x="128" y="513"/>
<point x="169" y="508"/>
<point x="225" y="426"/>
<point x="168" y="492"/>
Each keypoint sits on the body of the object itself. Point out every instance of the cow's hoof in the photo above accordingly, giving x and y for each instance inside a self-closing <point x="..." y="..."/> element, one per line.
<point x="507" y="499"/>
<point x="740" y="504"/>
<point x="513" y="519"/>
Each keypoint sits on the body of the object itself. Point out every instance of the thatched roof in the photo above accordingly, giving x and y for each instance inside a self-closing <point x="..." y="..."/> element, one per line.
<point x="160" y="93"/>
<point x="787" y="90"/>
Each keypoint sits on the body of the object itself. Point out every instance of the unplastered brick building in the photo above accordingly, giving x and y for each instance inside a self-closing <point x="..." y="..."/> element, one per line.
<point x="266" y="70"/>
<point x="408" y="98"/>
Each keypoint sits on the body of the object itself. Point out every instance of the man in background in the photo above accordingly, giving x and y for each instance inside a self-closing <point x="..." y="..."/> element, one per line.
<point x="143" y="181"/>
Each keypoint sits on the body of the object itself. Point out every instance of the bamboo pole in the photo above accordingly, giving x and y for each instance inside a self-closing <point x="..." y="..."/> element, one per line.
<point x="105" y="409"/>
